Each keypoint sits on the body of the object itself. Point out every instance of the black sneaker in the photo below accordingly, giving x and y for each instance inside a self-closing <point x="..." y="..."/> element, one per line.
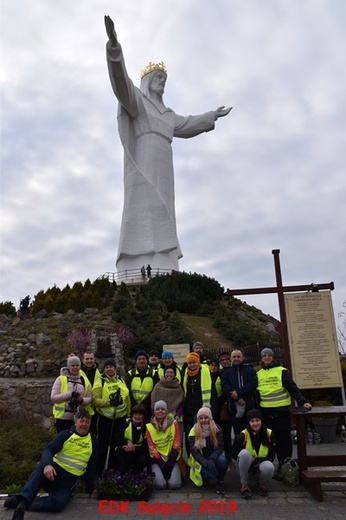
<point x="245" y="491"/>
<point x="11" y="502"/>
<point x="18" y="514"/>
<point x="262" y="490"/>
<point x="220" y="488"/>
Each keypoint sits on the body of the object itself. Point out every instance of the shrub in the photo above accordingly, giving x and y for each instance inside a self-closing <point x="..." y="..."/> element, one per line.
<point x="21" y="447"/>
<point x="7" y="308"/>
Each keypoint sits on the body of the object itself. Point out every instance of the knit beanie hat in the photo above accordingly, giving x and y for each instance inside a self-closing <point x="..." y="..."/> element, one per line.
<point x="138" y="408"/>
<point x="167" y="354"/>
<point x="267" y="351"/>
<point x="170" y="368"/>
<point x="141" y="353"/>
<point x="160" y="404"/>
<point x="198" y="344"/>
<point x="109" y="361"/>
<point x="193" y="357"/>
<point x="154" y="352"/>
<point x="73" y="360"/>
<point x="254" y="414"/>
<point x="205" y="412"/>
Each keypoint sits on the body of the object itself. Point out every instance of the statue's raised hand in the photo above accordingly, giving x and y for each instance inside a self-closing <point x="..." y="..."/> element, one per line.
<point x="112" y="35"/>
<point x="221" y="112"/>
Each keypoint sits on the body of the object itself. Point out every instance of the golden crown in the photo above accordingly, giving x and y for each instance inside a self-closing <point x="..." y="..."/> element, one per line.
<point x="151" y="67"/>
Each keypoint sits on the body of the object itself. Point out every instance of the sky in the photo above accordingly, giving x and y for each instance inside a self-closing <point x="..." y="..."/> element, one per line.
<point x="270" y="176"/>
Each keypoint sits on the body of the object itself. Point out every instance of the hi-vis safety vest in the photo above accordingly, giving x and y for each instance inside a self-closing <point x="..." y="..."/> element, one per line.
<point x="163" y="440"/>
<point x="263" y="451"/>
<point x="141" y="388"/>
<point x="195" y="467"/>
<point x="75" y="454"/>
<point x="109" y="388"/>
<point x="205" y="384"/>
<point x="161" y="372"/>
<point x="128" y="436"/>
<point x="59" y="408"/>
<point x="272" y="393"/>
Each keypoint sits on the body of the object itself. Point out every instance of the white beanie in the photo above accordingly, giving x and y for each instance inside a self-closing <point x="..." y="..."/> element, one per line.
<point x="160" y="404"/>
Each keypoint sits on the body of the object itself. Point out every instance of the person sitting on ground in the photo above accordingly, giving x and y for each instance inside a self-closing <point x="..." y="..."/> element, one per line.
<point x="208" y="464"/>
<point x="164" y="445"/>
<point x="131" y="448"/>
<point x="254" y="452"/>
<point x="71" y="454"/>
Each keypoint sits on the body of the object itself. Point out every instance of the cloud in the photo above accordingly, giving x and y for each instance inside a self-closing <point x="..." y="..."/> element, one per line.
<point x="271" y="174"/>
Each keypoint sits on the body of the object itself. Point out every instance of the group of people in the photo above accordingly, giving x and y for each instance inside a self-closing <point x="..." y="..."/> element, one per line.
<point x="140" y="422"/>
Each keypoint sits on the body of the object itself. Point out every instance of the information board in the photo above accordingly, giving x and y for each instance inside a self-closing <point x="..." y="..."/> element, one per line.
<point x="179" y="352"/>
<point x="312" y="340"/>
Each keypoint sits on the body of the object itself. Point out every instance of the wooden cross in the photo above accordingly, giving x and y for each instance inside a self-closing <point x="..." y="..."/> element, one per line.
<point x="281" y="290"/>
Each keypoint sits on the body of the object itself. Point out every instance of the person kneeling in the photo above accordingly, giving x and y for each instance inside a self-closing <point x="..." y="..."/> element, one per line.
<point x="208" y="464"/>
<point x="164" y="443"/>
<point x="254" y="452"/>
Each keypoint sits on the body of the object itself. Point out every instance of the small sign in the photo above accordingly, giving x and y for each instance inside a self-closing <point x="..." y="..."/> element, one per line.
<point x="179" y="352"/>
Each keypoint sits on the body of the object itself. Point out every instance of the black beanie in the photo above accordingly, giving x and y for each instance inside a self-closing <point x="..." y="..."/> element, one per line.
<point x="109" y="361"/>
<point x="254" y="414"/>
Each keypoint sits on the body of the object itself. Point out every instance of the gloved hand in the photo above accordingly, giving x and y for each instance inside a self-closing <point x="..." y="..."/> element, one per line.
<point x="172" y="458"/>
<point x="114" y="402"/>
<point x="254" y="467"/>
<point x="211" y="466"/>
<point x="167" y="471"/>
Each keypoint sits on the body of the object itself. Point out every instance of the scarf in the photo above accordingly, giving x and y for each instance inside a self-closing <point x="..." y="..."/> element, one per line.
<point x="169" y="391"/>
<point x="193" y="373"/>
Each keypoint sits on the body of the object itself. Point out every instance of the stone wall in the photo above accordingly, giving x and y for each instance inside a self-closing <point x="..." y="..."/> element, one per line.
<point x="28" y="398"/>
<point x="22" y="399"/>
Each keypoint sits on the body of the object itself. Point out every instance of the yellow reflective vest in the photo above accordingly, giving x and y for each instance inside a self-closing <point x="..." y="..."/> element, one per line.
<point x="141" y="388"/>
<point x="75" y="454"/>
<point x="205" y="384"/>
<point x="163" y="440"/>
<point x="272" y="393"/>
<point x="263" y="451"/>
<point x="102" y="391"/>
<point x="161" y="372"/>
<point x="59" y="408"/>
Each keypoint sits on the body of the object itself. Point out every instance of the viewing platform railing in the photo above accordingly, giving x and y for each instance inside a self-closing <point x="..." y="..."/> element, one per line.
<point x="134" y="276"/>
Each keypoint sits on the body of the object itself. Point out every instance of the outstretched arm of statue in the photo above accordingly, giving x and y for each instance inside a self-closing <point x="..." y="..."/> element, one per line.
<point x="221" y="112"/>
<point x="112" y="35"/>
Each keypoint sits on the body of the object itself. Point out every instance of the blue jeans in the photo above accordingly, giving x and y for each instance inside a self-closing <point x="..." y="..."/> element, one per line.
<point x="60" y="489"/>
<point x="221" y="465"/>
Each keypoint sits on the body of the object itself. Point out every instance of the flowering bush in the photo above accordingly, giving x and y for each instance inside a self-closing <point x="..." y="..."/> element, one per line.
<point x="129" y="483"/>
<point x="79" y="339"/>
<point x="125" y="335"/>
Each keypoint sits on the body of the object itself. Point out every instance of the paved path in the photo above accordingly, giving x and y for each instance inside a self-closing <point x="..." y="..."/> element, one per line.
<point x="191" y="503"/>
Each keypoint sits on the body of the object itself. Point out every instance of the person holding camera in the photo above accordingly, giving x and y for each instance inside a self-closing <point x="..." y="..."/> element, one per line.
<point x="70" y="394"/>
<point x="111" y="399"/>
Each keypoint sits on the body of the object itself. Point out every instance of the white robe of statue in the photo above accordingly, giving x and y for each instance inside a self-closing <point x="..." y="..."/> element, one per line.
<point x="146" y="127"/>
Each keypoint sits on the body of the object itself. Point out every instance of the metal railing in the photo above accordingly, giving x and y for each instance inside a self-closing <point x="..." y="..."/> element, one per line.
<point x="134" y="275"/>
